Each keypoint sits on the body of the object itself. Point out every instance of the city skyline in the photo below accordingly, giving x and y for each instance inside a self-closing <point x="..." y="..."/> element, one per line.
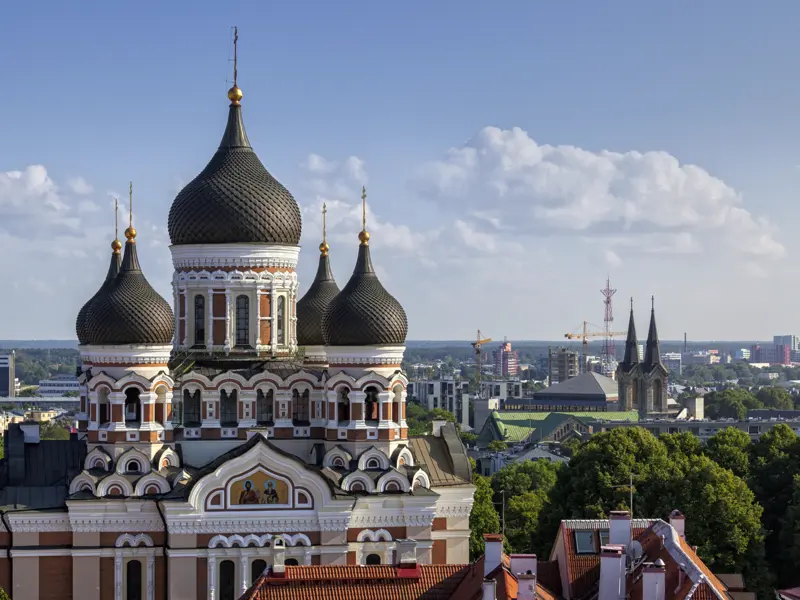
<point x="579" y="161"/>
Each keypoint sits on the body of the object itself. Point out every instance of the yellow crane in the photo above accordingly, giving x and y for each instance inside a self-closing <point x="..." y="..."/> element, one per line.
<point x="584" y="336"/>
<point x="477" y="344"/>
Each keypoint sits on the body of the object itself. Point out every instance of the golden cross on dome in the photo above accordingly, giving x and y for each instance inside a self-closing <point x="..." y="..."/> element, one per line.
<point x="364" y="235"/>
<point x="116" y="245"/>
<point x="235" y="93"/>
<point x="130" y="232"/>
<point x="323" y="247"/>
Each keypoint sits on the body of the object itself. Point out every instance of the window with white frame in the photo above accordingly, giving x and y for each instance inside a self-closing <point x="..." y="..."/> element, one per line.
<point x="584" y="542"/>
<point x="280" y="321"/>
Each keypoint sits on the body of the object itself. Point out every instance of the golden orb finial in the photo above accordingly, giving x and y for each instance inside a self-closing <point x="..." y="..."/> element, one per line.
<point x="130" y="234"/>
<point x="363" y="237"/>
<point x="116" y="246"/>
<point x="235" y="94"/>
<point x="323" y="248"/>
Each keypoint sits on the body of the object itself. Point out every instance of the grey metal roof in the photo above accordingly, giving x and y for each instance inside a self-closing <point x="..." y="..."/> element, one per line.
<point x="83" y="315"/>
<point x="133" y="312"/>
<point x="234" y="199"/>
<point x="585" y="384"/>
<point x="312" y="306"/>
<point x="364" y="313"/>
<point x="443" y="458"/>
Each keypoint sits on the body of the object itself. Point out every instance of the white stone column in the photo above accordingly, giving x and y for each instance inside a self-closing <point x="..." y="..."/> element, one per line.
<point x="384" y="398"/>
<point x="331" y="396"/>
<point x="247" y="398"/>
<point x="273" y="330"/>
<point x="116" y="399"/>
<point x="211" y="398"/>
<point x="228" y="321"/>
<point x="243" y="574"/>
<point x="357" y="399"/>
<point x="212" y="569"/>
<point x="118" y="575"/>
<point x="151" y="576"/>
<point x="176" y="315"/>
<point x="210" y="319"/>
<point x="283" y="408"/>
<point x="258" y="318"/>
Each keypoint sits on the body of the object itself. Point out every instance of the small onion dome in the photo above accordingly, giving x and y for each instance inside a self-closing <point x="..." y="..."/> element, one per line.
<point x="311" y="307"/>
<point x="105" y="289"/>
<point x="235" y="199"/>
<point x="364" y="313"/>
<point x="133" y="313"/>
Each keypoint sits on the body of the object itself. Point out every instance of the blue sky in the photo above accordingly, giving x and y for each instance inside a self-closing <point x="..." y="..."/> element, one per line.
<point x="112" y="93"/>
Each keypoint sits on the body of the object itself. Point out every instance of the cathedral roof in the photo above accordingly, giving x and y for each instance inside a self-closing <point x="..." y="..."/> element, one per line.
<point x="312" y="306"/>
<point x="133" y="312"/>
<point x="83" y="315"/>
<point x="631" y="345"/>
<point x="234" y="199"/>
<point x="364" y="313"/>
<point x="652" y="350"/>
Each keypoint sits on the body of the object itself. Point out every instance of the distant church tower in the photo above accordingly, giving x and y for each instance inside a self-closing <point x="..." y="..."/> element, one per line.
<point x="642" y="384"/>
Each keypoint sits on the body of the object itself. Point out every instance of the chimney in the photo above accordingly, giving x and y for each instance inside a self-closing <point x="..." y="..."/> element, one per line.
<point x="493" y="555"/>
<point x="31" y="431"/>
<point x="489" y="590"/>
<point x="278" y="558"/>
<point x="612" y="572"/>
<point x="15" y="453"/>
<point x="526" y="586"/>
<point x="619" y="527"/>
<point x="406" y="553"/>
<point x="654" y="581"/>
<point x="523" y="563"/>
<point x="437" y="427"/>
<point x="678" y="523"/>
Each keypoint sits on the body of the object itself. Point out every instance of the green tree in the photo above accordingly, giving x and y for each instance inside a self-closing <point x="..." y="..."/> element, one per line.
<point x="789" y="536"/>
<point x="483" y="518"/>
<point x="53" y="431"/>
<point x="732" y="403"/>
<point x="4" y="595"/>
<point x="522" y="519"/>
<point x="496" y="446"/>
<point x="776" y="398"/>
<point x="730" y="448"/>
<point x="570" y="446"/>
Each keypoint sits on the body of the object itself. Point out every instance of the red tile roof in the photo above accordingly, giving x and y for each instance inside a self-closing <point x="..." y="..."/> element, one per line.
<point x="357" y="582"/>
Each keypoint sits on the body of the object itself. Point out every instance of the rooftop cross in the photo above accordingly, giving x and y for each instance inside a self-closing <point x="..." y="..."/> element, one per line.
<point x="130" y="232"/>
<point x="364" y="235"/>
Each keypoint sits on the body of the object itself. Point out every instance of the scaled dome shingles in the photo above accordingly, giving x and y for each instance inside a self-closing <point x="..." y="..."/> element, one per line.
<point x="82" y="322"/>
<point x="234" y="199"/>
<point x="311" y="307"/>
<point x="133" y="313"/>
<point x="364" y="313"/>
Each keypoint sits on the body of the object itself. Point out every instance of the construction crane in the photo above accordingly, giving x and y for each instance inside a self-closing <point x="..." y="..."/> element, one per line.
<point x="477" y="344"/>
<point x="584" y="336"/>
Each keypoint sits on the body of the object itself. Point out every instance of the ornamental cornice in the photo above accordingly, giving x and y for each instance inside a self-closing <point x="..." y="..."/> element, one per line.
<point x="363" y="360"/>
<point x="36" y="524"/>
<point x="454" y="510"/>
<point x="370" y="521"/>
<point x="95" y="524"/>
<point x="129" y="355"/>
<point x="277" y="525"/>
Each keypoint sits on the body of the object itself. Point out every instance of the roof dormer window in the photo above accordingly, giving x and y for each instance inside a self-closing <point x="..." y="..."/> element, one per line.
<point x="584" y="542"/>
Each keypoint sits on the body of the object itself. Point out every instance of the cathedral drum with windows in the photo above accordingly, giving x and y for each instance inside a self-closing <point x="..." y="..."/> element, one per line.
<point x="240" y="430"/>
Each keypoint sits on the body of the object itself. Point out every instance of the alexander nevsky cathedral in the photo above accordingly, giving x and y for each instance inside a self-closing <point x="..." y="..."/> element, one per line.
<point x="238" y="426"/>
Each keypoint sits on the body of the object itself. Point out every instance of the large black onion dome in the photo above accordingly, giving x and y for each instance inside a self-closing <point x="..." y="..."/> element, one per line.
<point x="105" y="289"/>
<point x="234" y="199"/>
<point x="364" y="313"/>
<point x="311" y="307"/>
<point x="133" y="313"/>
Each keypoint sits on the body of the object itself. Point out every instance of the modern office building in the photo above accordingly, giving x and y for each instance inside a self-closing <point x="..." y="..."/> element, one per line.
<point x="562" y="364"/>
<point x="58" y="386"/>
<point x="506" y="361"/>
<point x="8" y="380"/>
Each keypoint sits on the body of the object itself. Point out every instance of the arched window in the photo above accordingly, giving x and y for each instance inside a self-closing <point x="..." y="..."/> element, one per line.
<point x="373" y="463"/>
<point x="257" y="569"/>
<point x="357" y="486"/>
<point x="264" y="404"/>
<point x="229" y="416"/>
<point x="133" y="407"/>
<point x="371" y="404"/>
<point x="199" y="320"/>
<point x="280" y="319"/>
<point x="300" y="406"/>
<point x="242" y="321"/>
<point x="103" y="414"/>
<point x="133" y="580"/>
<point x="191" y="409"/>
<point x="114" y="490"/>
<point x="344" y="404"/>
<point x="291" y="562"/>
<point x="392" y="487"/>
<point x="373" y="559"/>
<point x="133" y="466"/>
<point x="227" y="580"/>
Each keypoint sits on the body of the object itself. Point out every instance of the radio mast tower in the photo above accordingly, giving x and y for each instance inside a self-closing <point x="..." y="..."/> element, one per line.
<point x="609" y="354"/>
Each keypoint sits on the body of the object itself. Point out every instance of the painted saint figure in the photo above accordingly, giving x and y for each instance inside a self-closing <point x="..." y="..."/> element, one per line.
<point x="248" y="495"/>
<point x="270" y="493"/>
